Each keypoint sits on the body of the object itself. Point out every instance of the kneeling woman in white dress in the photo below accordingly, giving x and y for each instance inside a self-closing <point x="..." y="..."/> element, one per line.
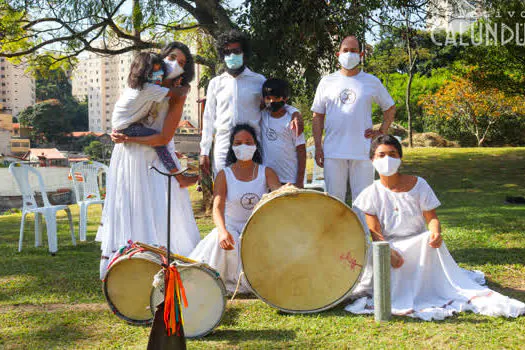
<point x="426" y="282"/>
<point x="237" y="189"/>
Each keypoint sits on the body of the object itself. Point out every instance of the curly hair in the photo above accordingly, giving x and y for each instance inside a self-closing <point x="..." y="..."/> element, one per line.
<point x="385" y="140"/>
<point x="141" y="69"/>
<point x="189" y="67"/>
<point x="234" y="36"/>
<point x="257" y="156"/>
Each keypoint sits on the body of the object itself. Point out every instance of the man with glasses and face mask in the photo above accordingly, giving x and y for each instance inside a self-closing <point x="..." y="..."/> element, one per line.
<point x="343" y="108"/>
<point x="232" y="98"/>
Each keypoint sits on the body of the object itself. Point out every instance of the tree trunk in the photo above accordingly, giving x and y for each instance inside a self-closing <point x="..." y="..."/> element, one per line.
<point x="407" y="103"/>
<point x="207" y="194"/>
<point x="411" y="64"/>
<point x="136" y="19"/>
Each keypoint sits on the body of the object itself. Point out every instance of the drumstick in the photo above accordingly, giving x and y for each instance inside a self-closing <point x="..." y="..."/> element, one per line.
<point x="162" y="252"/>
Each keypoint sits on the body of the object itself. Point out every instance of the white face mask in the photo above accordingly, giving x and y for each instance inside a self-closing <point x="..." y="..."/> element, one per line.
<point x="349" y="60"/>
<point x="173" y="69"/>
<point x="387" y="166"/>
<point x="244" y="152"/>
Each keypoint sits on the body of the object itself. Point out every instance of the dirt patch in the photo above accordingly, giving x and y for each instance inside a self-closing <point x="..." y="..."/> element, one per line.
<point x="90" y="307"/>
<point x="430" y="139"/>
<point x="54" y="307"/>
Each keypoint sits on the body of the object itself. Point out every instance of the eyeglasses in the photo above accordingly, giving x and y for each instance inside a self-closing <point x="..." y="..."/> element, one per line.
<point x="235" y="51"/>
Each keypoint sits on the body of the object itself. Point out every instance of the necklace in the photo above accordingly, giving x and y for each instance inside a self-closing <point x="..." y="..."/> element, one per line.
<point x="253" y="171"/>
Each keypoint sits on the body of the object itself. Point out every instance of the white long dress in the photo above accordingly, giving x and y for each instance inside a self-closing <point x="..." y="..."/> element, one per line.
<point x="429" y="285"/>
<point x="241" y="198"/>
<point x="136" y="200"/>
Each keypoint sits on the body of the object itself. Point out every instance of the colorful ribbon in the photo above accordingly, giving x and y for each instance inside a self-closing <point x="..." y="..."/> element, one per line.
<point x="172" y="304"/>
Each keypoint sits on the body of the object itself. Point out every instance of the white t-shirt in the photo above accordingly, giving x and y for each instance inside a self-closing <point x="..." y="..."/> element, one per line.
<point x="279" y="144"/>
<point x="347" y="104"/>
<point x="400" y="213"/>
<point x="133" y="104"/>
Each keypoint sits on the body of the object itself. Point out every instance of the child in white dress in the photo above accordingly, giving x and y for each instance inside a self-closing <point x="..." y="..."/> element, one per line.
<point x="238" y="188"/>
<point x="283" y="150"/>
<point x="426" y="282"/>
<point x="138" y="103"/>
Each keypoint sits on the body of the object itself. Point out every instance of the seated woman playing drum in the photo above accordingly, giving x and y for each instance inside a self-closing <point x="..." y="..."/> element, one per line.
<point x="238" y="188"/>
<point x="426" y="282"/>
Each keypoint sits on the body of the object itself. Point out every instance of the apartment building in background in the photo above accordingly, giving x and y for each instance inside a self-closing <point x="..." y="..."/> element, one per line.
<point x="17" y="89"/>
<point x="101" y="79"/>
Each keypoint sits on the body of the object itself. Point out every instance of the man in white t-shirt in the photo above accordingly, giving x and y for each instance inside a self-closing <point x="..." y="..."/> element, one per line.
<point x="343" y="108"/>
<point x="232" y="98"/>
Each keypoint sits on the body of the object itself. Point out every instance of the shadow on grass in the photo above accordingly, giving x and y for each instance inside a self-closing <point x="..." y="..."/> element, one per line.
<point x="494" y="256"/>
<point x="57" y="334"/>
<point x="230" y="316"/>
<point x="235" y="337"/>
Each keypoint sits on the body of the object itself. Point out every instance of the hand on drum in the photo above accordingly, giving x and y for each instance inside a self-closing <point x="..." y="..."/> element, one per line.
<point x="396" y="260"/>
<point x="226" y="240"/>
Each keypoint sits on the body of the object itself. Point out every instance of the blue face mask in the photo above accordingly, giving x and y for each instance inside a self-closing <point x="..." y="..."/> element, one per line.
<point x="156" y="77"/>
<point x="234" y="61"/>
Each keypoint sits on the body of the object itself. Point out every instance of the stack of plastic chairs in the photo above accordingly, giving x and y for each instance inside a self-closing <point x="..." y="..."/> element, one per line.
<point x="85" y="176"/>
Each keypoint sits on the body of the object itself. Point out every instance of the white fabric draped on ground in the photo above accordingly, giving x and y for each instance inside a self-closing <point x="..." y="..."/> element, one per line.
<point x="226" y="262"/>
<point x="431" y="286"/>
<point x="136" y="200"/>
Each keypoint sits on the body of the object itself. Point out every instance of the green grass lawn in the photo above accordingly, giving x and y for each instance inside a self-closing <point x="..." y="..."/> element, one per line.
<point x="56" y="302"/>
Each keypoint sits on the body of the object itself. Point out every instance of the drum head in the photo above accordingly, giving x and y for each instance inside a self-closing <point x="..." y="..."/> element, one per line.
<point x="127" y="286"/>
<point x="303" y="251"/>
<point x="205" y="292"/>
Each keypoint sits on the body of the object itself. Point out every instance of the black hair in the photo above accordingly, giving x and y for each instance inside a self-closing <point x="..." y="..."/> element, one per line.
<point x="385" y="140"/>
<point x="141" y="69"/>
<point x="234" y="36"/>
<point x="230" y="157"/>
<point x="189" y="67"/>
<point x="276" y="87"/>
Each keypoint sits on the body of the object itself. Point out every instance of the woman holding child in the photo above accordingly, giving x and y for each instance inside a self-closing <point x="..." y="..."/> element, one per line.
<point x="135" y="207"/>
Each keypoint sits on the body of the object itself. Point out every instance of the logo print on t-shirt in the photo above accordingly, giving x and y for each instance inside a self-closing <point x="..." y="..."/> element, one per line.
<point x="248" y="200"/>
<point x="347" y="96"/>
<point x="271" y="134"/>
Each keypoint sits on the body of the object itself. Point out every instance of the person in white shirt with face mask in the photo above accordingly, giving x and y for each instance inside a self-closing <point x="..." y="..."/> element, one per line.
<point x="426" y="282"/>
<point x="232" y="98"/>
<point x="343" y="108"/>
<point x="238" y="188"/>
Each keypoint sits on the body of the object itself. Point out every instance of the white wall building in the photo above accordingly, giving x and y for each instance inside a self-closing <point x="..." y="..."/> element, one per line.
<point x="103" y="78"/>
<point x="17" y="89"/>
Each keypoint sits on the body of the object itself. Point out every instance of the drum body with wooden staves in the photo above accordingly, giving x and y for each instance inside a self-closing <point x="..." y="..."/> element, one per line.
<point x="128" y="283"/>
<point x="303" y="251"/>
<point x="206" y="295"/>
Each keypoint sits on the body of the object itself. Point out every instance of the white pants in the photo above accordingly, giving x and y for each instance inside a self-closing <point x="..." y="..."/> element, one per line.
<point x="337" y="172"/>
<point x="220" y="150"/>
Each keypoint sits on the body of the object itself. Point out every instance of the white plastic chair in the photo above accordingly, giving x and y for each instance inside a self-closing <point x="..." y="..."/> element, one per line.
<point x="21" y="175"/>
<point x="317" y="181"/>
<point x="85" y="176"/>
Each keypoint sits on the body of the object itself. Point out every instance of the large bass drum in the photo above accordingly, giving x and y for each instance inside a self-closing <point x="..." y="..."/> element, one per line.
<point x="303" y="251"/>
